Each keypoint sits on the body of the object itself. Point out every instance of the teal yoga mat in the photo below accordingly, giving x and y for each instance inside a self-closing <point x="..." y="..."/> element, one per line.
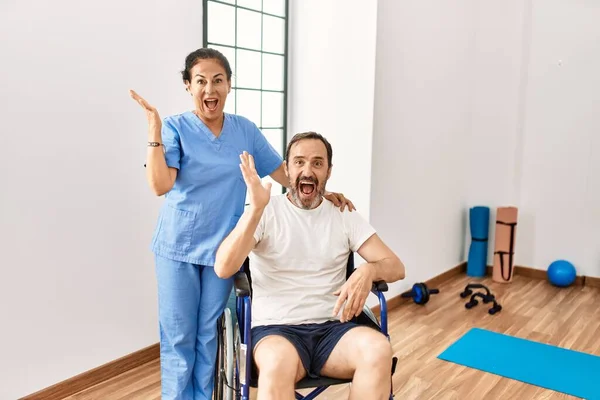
<point x="547" y="366"/>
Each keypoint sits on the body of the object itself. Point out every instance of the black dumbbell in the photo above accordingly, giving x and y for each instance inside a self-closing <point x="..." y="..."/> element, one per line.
<point x="420" y="293"/>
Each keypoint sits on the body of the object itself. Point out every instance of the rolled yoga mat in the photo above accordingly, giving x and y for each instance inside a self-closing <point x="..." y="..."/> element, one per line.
<point x="479" y="218"/>
<point x="535" y="363"/>
<point x="504" y="248"/>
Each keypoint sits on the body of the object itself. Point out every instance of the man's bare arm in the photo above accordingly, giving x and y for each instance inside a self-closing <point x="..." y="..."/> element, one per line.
<point x="383" y="263"/>
<point x="237" y="245"/>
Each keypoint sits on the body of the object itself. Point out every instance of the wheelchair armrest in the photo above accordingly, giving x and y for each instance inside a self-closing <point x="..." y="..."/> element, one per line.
<point x="379" y="286"/>
<point x="242" y="286"/>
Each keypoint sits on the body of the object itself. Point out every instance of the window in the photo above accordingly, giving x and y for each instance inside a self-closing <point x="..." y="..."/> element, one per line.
<point x="252" y="34"/>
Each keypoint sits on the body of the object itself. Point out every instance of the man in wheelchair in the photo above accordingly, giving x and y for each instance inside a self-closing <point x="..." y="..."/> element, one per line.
<point x="302" y="305"/>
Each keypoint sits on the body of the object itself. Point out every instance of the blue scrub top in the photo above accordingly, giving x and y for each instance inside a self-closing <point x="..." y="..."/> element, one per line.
<point x="209" y="193"/>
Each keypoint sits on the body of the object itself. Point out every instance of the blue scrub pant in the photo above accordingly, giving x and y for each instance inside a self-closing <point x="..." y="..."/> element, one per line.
<point x="191" y="298"/>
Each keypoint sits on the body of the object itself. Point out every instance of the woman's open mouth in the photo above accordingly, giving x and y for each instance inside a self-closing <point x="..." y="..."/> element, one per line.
<point x="211" y="104"/>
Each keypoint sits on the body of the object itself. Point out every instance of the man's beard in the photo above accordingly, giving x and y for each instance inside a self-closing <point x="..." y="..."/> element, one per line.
<point x="307" y="204"/>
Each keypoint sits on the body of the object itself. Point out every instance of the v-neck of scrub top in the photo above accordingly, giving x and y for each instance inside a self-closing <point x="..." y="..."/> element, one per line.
<point x="215" y="140"/>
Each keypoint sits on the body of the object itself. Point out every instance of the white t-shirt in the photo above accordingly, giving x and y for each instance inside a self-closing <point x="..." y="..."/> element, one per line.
<point x="300" y="260"/>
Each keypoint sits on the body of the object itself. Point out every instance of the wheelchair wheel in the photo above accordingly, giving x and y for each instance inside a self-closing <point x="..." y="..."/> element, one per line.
<point x="225" y="371"/>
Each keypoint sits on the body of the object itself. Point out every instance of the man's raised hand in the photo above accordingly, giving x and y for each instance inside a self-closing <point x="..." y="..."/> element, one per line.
<point x="259" y="194"/>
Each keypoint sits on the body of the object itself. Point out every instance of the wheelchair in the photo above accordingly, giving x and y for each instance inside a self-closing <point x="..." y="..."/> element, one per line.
<point x="233" y="371"/>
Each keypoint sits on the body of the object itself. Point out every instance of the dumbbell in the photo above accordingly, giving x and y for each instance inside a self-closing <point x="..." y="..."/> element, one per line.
<point x="420" y="293"/>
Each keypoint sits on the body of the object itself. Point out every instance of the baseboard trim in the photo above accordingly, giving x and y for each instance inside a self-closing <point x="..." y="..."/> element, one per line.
<point x="97" y="375"/>
<point x="592" y="281"/>
<point x="536" y="273"/>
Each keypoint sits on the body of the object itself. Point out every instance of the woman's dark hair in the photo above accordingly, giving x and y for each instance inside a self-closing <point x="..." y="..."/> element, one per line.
<point x="204" y="54"/>
<point x="310" y="135"/>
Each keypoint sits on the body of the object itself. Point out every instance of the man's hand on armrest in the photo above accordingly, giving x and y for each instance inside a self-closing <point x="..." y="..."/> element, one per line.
<point x="382" y="265"/>
<point x="354" y="293"/>
<point x="237" y="245"/>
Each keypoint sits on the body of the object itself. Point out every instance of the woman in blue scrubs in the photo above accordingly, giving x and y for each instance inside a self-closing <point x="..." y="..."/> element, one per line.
<point x="193" y="159"/>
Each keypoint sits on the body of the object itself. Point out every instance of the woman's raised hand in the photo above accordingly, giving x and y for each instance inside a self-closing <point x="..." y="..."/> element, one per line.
<point x="151" y="112"/>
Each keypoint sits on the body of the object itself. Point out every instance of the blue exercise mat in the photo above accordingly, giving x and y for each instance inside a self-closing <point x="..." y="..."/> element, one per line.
<point x="544" y="365"/>
<point x="479" y="221"/>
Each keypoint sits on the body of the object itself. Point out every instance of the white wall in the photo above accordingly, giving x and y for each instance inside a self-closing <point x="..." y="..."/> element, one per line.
<point x="534" y="125"/>
<point x="422" y="122"/>
<point x="331" y="86"/>
<point x="560" y="189"/>
<point x="487" y="103"/>
<point x="494" y="149"/>
<point x="78" y="286"/>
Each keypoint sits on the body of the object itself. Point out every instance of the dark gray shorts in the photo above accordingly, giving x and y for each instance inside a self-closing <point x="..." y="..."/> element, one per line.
<point x="313" y="342"/>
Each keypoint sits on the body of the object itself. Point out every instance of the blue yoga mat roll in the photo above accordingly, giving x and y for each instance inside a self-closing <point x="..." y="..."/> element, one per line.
<point x="479" y="223"/>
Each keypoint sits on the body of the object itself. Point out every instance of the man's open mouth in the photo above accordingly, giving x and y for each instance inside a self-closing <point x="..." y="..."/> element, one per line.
<point x="307" y="187"/>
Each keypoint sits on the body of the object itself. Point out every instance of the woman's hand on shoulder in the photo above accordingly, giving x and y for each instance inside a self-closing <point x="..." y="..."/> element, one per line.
<point x="339" y="200"/>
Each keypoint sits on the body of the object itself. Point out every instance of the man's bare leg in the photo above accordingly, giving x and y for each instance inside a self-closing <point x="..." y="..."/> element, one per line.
<point x="279" y="368"/>
<point x="365" y="356"/>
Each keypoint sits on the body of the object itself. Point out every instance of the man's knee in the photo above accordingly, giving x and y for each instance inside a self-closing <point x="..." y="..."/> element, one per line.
<point x="375" y="351"/>
<point x="277" y="359"/>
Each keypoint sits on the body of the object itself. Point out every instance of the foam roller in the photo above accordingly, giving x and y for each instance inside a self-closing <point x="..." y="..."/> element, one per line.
<point x="504" y="248"/>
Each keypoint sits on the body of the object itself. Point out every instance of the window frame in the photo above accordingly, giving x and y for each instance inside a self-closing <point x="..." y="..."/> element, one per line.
<point x="235" y="47"/>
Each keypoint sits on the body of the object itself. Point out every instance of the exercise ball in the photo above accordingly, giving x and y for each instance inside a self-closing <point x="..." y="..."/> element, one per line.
<point x="561" y="273"/>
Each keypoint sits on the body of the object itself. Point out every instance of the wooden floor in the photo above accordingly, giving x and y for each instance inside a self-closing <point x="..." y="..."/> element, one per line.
<point x="532" y="309"/>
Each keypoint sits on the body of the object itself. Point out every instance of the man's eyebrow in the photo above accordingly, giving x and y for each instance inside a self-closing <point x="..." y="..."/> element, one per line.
<point x="314" y="158"/>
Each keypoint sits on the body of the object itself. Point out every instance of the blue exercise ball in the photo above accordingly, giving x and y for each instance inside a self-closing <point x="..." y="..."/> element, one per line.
<point x="561" y="273"/>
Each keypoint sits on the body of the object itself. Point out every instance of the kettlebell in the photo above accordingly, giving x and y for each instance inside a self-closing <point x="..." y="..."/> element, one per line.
<point x="420" y="293"/>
